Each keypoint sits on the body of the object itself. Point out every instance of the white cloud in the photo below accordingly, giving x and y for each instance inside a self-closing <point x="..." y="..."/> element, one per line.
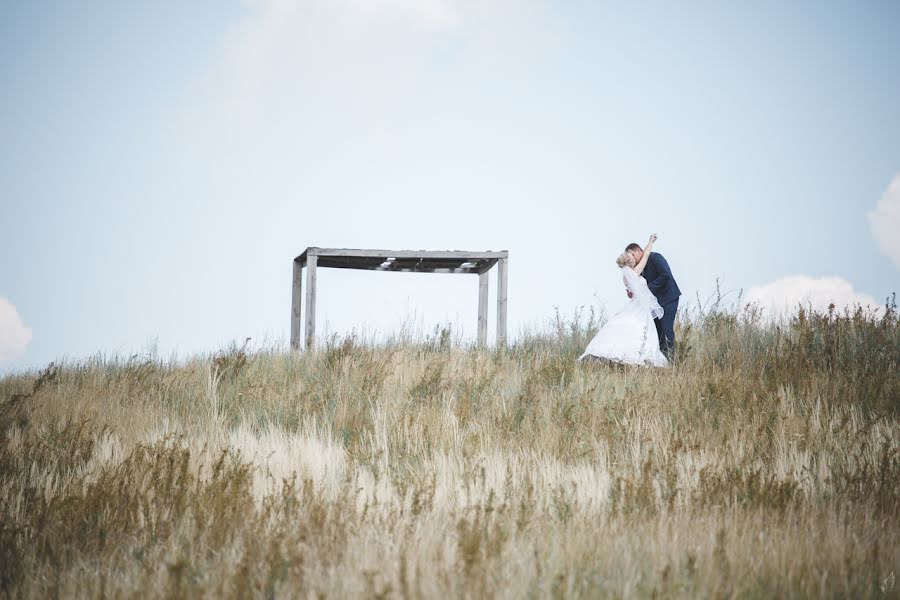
<point x="885" y="221"/>
<point x="784" y="295"/>
<point x="14" y="335"/>
<point x="420" y="13"/>
<point x="295" y="48"/>
<point x="312" y="78"/>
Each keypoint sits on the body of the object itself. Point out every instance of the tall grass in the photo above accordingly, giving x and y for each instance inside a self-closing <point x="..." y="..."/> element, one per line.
<point x="764" y="463"/>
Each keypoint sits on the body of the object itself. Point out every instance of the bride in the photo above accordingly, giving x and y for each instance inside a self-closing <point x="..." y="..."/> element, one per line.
<point x="630" y="336"/>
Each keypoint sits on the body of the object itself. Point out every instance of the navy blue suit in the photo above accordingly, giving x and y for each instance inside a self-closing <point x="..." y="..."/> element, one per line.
<point x="662" y="284"/>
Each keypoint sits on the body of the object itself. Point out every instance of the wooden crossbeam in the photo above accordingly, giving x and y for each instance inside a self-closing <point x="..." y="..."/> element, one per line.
<point x="360" y="253"/>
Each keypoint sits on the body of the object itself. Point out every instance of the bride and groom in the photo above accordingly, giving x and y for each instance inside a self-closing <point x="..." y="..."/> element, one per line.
<point x="643" y="333"/>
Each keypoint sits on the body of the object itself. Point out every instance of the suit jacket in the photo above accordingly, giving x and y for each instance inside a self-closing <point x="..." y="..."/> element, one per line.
<point x="660" y="280"/>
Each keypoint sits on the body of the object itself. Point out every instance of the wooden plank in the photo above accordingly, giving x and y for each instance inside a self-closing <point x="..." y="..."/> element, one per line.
<point x="406" y="261"/>
<point x="398" y="266"/>
<point x="394" y="268"/>
<point x="311" y="261"/>
<point x="423" y="270"/>
<point x="502" y="280"/>
<point x="361" y="253"/>
<point x="483" y="279"/>
<point x="296" y="303"/>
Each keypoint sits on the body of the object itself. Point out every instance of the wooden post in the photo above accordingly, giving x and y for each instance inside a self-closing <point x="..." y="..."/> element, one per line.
<point x="502" y="277"/>
<point x="482" y="307"/>
<point x="296" y="302"/>
<point x="311" y="261"/>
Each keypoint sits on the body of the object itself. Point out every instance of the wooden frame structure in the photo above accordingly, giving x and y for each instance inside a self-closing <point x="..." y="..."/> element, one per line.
<point x="399" y="261"/>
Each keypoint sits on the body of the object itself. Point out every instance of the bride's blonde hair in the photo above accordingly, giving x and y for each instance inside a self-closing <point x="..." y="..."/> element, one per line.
<point x="625" y="260"/>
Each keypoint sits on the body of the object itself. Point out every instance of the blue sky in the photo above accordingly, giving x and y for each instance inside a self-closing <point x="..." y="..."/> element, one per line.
<point x="162" y="163"/>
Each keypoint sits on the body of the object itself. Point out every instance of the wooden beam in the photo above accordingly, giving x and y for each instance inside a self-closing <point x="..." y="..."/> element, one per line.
<point x="502" y="280"/>
<point x="392" y="269"/>
<point x="422" y="270"/>
<point x="482" y="307"/>
<point x="296" y="303"/>
<point x="360" y="253"/>
<point x="311" y="261"/>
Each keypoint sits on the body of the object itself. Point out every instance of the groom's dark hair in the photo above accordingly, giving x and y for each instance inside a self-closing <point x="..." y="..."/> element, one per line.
<point x="633" y="246"/>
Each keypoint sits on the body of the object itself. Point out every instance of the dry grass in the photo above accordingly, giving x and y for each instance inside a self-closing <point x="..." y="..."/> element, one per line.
<point x="765" y="463"/>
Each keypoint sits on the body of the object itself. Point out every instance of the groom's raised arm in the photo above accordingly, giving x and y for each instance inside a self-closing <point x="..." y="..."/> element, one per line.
<point x="663" y="273"/>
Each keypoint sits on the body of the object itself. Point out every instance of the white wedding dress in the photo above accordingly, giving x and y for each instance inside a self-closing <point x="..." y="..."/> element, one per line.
<point x="630" y="336"/>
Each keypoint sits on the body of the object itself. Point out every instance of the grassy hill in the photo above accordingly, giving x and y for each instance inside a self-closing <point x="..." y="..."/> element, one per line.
<point x="765" y="463"/>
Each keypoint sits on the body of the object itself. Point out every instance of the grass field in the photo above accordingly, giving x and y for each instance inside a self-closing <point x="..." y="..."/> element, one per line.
<point x="765" y="463"/>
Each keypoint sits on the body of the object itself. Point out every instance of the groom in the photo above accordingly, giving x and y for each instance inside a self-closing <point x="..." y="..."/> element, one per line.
<point x="662" y="285"/>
